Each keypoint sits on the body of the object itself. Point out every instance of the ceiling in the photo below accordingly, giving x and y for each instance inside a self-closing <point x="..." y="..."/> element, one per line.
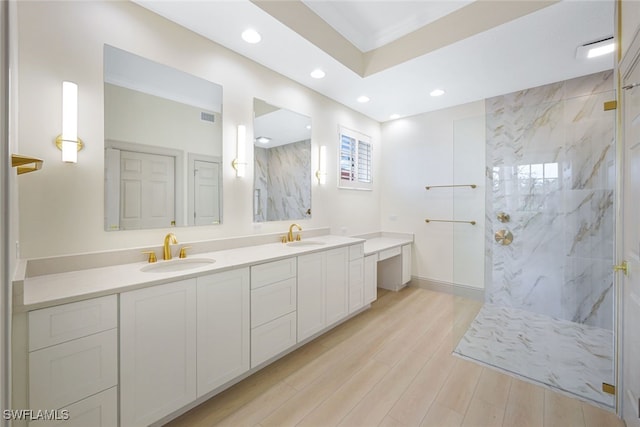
<point x="397" y="52"/>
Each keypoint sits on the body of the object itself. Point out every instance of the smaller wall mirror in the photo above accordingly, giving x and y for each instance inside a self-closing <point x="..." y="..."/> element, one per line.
<point x="163" y="145"/>
<point x="282" y="164"/>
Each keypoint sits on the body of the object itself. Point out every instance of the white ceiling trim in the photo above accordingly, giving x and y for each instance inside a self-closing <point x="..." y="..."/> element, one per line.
<point x="535" y="49"/>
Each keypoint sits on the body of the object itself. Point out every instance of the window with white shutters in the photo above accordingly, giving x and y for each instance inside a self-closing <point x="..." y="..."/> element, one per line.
<point x="355" y="160"/>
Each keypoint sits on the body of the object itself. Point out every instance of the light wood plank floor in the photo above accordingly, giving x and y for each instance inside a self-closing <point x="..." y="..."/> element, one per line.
<point x="392" y="366"/>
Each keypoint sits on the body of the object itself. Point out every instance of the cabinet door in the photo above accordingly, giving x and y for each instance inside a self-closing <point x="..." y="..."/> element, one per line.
<point x="370" y="279"/>
<point x="406" y="264"/>
<point x="311" y="294"/>
<point x="356" y="284"/>
<point x="223" y="328"/>
<point x="157" y="351"/>
<point x="65" y="373"/>
<point x="336" y="285"/>
<point x="272" y="301"/>
<point x="99" y="410"/>
<point x="272" y="338"/>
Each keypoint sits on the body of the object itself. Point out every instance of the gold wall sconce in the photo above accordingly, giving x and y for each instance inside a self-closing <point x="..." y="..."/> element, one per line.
<point x="68" y="142"/>
<point x="240" y="162"/>
<point x="321" y="173"/>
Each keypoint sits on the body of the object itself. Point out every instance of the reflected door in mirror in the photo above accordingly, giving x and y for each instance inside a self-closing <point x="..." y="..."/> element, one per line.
<point x="155" y="110"/>
<point x="147" y="198"/>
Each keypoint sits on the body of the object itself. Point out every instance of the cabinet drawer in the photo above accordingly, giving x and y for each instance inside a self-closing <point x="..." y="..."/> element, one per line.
<point x="273" y="301"/>
<point x="272" y="272"/>
<point x="272" y="338"/>
<point x="55" y="325"/>
<point x="99" y="410"/>
<point x="356" y="251"/>
<point x="65" y="373"/>
<point x="388" y="253"/>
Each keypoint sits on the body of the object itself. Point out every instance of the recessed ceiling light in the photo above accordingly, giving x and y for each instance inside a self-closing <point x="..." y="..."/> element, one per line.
<point x="597" y="48"/>
<point x="362" y="99"/>
<point x="394" y="116"/>
<point x="308" y="126"/>
<point x="437" y="92"/>
<point x="251" y="36"/>
<point x="318" y="73"/>
<point x="263" y="139"/>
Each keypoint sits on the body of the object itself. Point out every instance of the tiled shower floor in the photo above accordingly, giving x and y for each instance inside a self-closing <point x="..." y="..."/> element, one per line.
<point x="568" y="356"/>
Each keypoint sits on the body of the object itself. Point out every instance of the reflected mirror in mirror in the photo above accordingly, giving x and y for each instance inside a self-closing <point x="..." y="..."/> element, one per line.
<point x="163" y="145"/>
<point x="282" y="164"/>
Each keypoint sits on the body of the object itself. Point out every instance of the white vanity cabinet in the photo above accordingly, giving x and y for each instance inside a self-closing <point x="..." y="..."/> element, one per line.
<point x="73" y="360"/>
<point x="273" y="309"/>
<point x="356" y="277"/>
<point x="311" y="294"/>
<point x="406" y="264"/>
<point x="157" y="351"/>
<point x="223" y="328"/>
<point x="322" y="290"/>
<point x="370" y="278"/>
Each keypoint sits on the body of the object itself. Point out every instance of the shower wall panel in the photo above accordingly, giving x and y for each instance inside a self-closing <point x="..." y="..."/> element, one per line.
<point x="550" y="167"/>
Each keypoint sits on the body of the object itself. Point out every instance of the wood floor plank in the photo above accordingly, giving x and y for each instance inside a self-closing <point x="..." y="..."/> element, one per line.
<point x="332" y="410"/>
<point x="442" y="416"/>
<point x="335" y="375"/>
<point x="493" y="387"/>
<point x="377" y="403"/>
<point x="562" y="411"/>
<point x="597" y="417"/>
<point x="414" y="403"/>
<point x="458" y="391"/>
<point x="260" y="407"/>
<point x="483" y="414"/>
<point x="525" y="405"/>
<point x="389" y="421"/>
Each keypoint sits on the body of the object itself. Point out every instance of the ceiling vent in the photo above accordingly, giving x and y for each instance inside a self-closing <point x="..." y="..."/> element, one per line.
<point x="207" y="117"/>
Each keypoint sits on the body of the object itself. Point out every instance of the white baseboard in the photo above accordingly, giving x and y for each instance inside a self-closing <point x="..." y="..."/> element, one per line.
<point x="447" y="287"/>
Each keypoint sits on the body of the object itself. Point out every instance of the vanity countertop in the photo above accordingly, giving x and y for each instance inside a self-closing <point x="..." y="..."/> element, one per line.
<point x="60" y="288"/>
<point x="377" y="244"/>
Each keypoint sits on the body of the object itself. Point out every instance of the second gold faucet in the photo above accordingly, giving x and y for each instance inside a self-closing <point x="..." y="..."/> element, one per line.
<point x="168" y="240"/>
<point x="290" y="235"/>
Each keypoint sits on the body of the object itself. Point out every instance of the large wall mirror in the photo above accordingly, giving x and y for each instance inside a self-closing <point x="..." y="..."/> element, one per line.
<point x="163" y="145"/>
<point x="282" y="164"/>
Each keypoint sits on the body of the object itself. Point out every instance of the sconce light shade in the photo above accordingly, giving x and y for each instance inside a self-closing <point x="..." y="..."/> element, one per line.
<point x="69" y="142"/>
<point x="69" y="111"/>
<point x="239" y="163"/>
<point x="321" y="174"/>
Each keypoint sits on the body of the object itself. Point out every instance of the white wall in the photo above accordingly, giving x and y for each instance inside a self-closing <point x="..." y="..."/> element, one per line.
<point x="61" y="206"/>
<point x="437" y="148"/>
<point x="629" y="26"/>
<point x="165" y="123"/>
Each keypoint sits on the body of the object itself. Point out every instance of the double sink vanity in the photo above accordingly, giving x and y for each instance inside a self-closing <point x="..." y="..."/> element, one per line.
<point x="138" y="343"/>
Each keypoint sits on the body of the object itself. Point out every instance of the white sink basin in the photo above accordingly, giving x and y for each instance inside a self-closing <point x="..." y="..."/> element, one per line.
<point x="306" y="243"/>
<point x="177" y="265"/>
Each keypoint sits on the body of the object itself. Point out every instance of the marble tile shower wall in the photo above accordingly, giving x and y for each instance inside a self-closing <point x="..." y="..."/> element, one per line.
<point x="551" y="167"/>
<point x="282" y="187"/>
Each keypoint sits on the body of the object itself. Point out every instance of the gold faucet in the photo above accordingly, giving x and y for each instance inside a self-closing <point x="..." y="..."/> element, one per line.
<point x="290" y="235"/>
<point x="168" y="240"/>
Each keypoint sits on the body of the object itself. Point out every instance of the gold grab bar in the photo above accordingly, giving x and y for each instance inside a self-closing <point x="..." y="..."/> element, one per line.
<point x="429" y="187"/>
<point x="449" y="220"/>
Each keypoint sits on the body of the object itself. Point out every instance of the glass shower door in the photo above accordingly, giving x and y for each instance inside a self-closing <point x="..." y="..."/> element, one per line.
<point x="548" y="311"/>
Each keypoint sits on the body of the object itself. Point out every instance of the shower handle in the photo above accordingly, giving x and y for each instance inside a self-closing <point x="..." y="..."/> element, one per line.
<point x="504" y="237"/>
<point x="503" y="217"/>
